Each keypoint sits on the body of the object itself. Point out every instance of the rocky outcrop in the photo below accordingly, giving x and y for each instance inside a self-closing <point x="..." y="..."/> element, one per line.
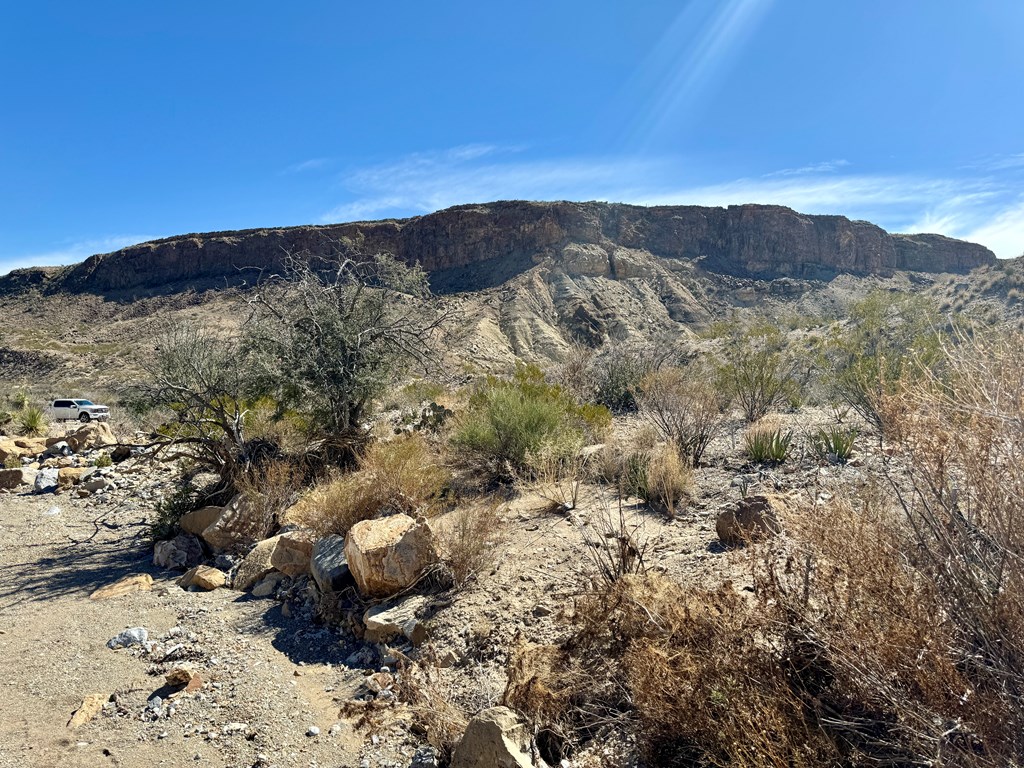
<point x="476" y="246"/>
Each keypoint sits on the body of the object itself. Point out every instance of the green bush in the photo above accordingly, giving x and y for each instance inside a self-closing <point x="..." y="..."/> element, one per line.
<point x="509" y="420"/>
<point x="759" y="372"/>
<point x="19" y="399"/>
<point x="834" y="443"/>
<point x="891" y="340"/>
<point x="765" y="446"/>
<point x="103" y="460"/>
<point x="32" y="422"/>
<point x="12" y="462"/>
<point x="170" y="509"/>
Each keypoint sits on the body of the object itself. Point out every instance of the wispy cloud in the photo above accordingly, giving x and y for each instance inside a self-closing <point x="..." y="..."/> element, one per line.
<point x="984" y="208"/>
<point x="828" y="166"/>
<point x="312" y="164"/>
<point x="70" y="252"/>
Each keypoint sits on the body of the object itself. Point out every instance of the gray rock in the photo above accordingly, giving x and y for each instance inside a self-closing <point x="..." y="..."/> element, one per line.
<point x="96" y="484"/>
<point x="46" y="480"/>
<point x="389" y="620"/>
<point x="328" y="565"/>
<point x="425" y="757"/>
<point x="58" y="449"/>
<point x="180" y="553"/>
<point x="312" y="731"/>
<point x="129" y="637"/>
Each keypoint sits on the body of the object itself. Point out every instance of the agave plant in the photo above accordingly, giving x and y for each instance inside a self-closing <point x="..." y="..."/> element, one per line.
<point x="834" y="443"/>
<point x="768" y="446"/>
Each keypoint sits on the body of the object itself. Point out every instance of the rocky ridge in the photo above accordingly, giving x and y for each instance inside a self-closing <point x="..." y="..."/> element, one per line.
<point x="471" y="247"/>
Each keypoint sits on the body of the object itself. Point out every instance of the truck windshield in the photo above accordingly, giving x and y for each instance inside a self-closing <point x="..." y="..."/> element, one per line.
<point x="83" y="402"/>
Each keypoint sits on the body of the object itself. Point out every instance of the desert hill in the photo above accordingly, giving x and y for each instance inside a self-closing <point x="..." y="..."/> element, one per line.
<point x="528" y="278"/>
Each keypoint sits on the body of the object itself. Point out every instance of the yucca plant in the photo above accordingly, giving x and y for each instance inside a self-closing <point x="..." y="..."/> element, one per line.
<point x="32" y="422"/>
<point x="834" y="443"/>
<point x="768" y="446"/>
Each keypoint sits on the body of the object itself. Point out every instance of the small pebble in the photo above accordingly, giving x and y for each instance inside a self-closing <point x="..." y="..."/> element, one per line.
<point x="313" y="731"/>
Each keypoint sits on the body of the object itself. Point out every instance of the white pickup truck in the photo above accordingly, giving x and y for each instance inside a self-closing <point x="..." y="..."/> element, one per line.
<point x="80" y="410"/>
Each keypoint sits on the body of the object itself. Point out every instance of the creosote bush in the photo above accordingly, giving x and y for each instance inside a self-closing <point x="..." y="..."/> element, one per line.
<point x="509" y="419"/>
<point x="759" y="373"/>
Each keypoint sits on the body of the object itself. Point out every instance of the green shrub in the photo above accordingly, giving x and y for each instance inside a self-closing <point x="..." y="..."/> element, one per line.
<point x="32" y="422"/>
<point x="103" y="460"/>
<point x="507" y="420"/>
<point x="760" y="373"/>
<point x="169" y="510"/>
<point x="615" y="373"/>
<point x="19" y="399"/>
<point x="767" y="446"/>
<point x="12" y="462"/>
<point x="891" y="340"/>
<point x="834" y="443"/>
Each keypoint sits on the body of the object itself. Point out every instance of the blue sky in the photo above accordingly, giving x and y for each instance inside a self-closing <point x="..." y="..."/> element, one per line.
<point x="125" y="121"/>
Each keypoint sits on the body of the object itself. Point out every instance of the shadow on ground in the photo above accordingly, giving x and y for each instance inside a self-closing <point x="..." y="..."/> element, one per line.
<point x="99" y="554"/>
<point x="297" y="637"/>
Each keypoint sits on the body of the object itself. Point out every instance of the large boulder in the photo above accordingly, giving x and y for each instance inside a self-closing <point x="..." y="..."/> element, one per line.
<point x="203" y="577"/>
<point x="95" y="434"/>
<point x="68" y="476"/>
<point x="31" y="446"/>
<point x="389" y="554"/>
<point x="198" y="520"/>
<point x="328" y="565"/>
<point x="495" y="738"/>
<point x="180" y="553"/>
<point x="235" y="527"/>
<point x="46" y="480"/>
<point x="751" y="518"/>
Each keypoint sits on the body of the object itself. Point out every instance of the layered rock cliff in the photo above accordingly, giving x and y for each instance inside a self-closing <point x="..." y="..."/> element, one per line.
<point x="477" y="246"/>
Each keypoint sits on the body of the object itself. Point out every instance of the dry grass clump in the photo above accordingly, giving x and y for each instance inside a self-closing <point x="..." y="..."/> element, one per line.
<point x="401" y="475"/>
<point x="657" y="474"/>
<point x="269" y="490"/>
<point x="688" y="672"/>
<point x="469" y="538"/>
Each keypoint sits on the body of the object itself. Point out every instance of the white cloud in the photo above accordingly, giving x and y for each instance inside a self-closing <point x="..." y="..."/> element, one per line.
<point x="1003" y="233"/>
<point x="71" y="252"/>
<point x="827" y="166"/>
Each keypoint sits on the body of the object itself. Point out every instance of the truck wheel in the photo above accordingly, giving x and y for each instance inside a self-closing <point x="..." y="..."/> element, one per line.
<point x="84" y="418"/>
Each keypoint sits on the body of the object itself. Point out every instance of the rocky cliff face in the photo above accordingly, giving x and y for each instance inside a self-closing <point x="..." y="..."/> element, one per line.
<point x="478" y="246"/>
